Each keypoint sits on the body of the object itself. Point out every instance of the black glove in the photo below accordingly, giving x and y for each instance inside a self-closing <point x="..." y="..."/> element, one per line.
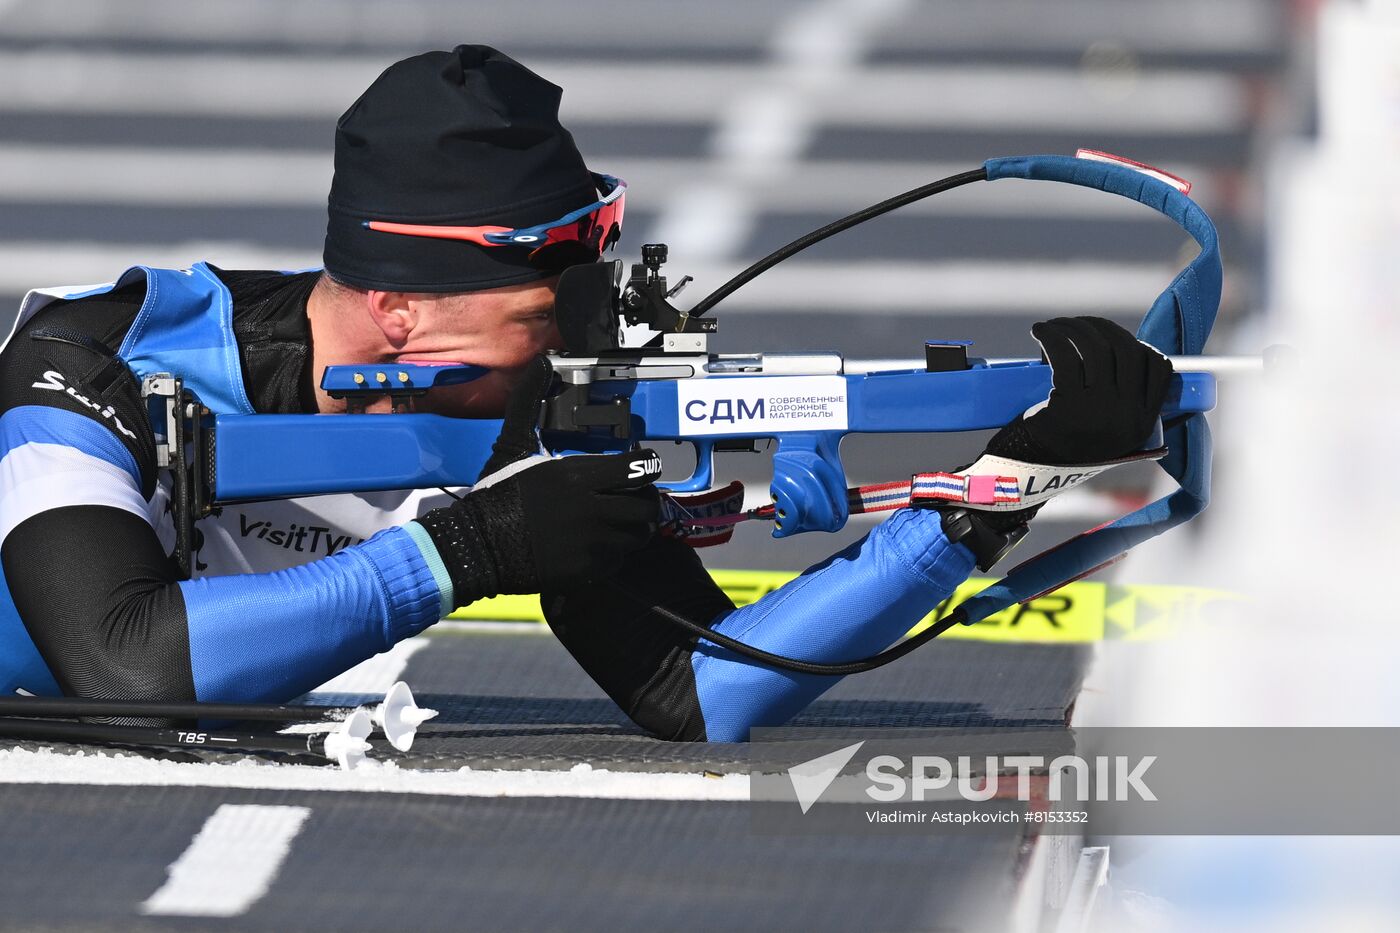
<point x="1108" y="389"/>
<point x="1107" y="396"/>
<point x="550" y="524"/>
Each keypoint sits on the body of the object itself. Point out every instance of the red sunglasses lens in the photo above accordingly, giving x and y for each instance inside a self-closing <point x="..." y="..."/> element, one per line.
<point x="598" y="230"/>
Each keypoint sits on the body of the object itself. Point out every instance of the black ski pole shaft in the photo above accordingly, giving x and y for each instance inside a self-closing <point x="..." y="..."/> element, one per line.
<point x="397" y="714"/>
<point x="58" y="731"/>
<point x="72" y="707"/>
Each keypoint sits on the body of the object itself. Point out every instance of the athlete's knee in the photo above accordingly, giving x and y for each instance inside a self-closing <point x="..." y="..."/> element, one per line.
<point x="670" y="710"/>
<point x="618" y="633"/>
<point x="639" y="660"/>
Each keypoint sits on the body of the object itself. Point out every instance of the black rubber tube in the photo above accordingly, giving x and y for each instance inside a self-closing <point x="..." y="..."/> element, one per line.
<point x="831" y="229"/>
<point x="796" y="664"/>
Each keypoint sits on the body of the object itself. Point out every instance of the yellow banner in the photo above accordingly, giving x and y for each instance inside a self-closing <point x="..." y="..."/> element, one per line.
<point x="1084" y="611"/>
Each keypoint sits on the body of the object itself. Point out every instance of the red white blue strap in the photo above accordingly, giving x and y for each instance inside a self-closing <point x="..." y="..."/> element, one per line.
<point x="967" y="488"/>
<point x="877" y="497"/>
<point x="971" y="488"/>
<point x="992" y="484"/>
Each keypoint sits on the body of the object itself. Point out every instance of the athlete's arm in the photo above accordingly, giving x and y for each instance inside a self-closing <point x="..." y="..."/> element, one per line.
<point x="1108" y="392"/>
<point x="89" y="574"/>
<point x="92" y="583"/>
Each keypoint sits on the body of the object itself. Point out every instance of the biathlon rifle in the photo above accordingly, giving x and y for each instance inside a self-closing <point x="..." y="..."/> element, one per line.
<point x="617" y="391"/>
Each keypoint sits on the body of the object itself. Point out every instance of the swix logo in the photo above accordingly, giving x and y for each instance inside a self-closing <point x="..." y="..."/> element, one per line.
<point x="639" y="468"/>
<point x="56" y="382"/>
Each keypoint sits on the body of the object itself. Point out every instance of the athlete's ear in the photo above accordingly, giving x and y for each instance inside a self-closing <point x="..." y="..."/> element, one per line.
<point x="394" y="313"/>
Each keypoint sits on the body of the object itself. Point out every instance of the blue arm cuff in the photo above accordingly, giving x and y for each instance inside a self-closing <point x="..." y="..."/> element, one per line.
<point x="272" y="636"/>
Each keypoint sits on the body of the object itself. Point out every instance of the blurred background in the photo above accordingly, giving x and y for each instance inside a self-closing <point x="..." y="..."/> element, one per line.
<point x="161" y="132"/>
<point x="166" y="131"/>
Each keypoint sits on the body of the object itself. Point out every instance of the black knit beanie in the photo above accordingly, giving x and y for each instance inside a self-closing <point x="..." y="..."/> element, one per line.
<point x="467" y="137"/>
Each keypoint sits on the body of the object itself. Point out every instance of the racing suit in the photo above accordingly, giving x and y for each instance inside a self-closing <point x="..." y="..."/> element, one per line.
<point x="287" y="594"/>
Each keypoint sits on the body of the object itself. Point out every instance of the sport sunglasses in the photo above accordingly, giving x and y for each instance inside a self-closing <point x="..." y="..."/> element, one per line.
<point x="596" y="226"/>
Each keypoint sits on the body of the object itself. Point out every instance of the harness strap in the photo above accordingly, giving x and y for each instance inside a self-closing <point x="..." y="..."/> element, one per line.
<point x="1178" y="322"/>
<point x="708" y="518"/>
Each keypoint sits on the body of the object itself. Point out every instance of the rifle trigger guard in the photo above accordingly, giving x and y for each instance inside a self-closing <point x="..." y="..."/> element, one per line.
<point x="704" y="476"/>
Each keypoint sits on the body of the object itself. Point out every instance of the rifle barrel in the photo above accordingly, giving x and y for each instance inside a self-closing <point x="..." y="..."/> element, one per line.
<point x="1216" y="365"/>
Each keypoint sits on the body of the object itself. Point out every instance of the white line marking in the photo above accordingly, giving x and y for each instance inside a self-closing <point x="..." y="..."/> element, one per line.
<point x="720" y="24"/>
<point x="231" y="862"/>
<point x="22" y="766"/>
<point x="764" y="130"/>
<point x="1018" y="288"/>
<point x="300" y="178"/>
<point x="1085" y="886"/>
<point x="1035" y="288"/>
<point x="370" y="679"/>
<point x="365" y="683"/>
<point x="166" y="176"/>
<point x="36" y="264"/>
<point x="832" y="187"/>
<point x="487" y="627"/>
<point x="921" y="97"/>
<point x="997" y="25"/>
<point x="1007" y="26"/>
<point x="50" y="80"/>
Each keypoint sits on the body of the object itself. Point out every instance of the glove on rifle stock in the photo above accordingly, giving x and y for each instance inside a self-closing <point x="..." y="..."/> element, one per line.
<point x="534" y="522"/>
<point x="1107" y="396"/>
<point x="1108" y="393"/>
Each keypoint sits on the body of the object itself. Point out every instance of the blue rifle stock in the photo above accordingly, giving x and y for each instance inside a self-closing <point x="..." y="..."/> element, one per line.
<point x="673" y="389"/>
<point x="280" y="456"/>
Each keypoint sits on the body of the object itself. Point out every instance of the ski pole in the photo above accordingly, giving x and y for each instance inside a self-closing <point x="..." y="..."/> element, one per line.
<point x="345" y="745"/>
<point x="397" y="714"/>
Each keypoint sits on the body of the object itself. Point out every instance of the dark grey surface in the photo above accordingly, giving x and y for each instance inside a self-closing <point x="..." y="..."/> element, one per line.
<point x="519" y="701"/>
<point x="81" y="858"/>
<point x="85" y="859"/>
<point x="508" y="701"/>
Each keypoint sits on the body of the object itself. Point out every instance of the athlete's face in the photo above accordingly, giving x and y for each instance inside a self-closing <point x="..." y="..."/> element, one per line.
<point x="501" y="329"/>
